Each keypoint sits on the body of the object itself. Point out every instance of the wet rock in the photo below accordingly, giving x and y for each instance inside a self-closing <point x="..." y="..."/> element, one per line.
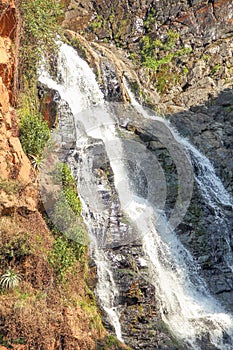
<point x="111" y="83"/>
<point x="48" y="105"/>
<point x="225" y="99"/>
<point x="208" y="126"/>
<point x="202" y="27"/>
<point x="140" y="315"/>
<point x="137" y="301"/>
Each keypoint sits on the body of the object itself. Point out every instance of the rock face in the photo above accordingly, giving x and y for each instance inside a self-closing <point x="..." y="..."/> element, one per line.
<point x="16" y="173"/>
<point x="195" y="90"/>
<point x="13" y="162"/>
<point x="137" y="301"/>
<point x="25" y="241"/>
<point x="209" y="127"/>
<point x="201" y="21"/>
<point x="8" y="20"/>
<point x="202" y="44"/>
<point x="8" y="33"/>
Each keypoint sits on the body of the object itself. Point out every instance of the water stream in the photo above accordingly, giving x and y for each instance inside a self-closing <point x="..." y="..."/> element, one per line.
<point x="210" y="185"/>
<point x="188" y="309"/>
<point x="78" y="87"/>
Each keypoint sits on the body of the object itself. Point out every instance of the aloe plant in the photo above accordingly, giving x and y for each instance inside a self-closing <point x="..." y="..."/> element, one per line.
<point x="36" y="161"/>
<point x="10" y="279"/>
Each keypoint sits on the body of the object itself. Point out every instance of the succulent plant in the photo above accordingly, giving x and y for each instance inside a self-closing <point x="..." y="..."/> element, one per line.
<point x="10" y="279"/>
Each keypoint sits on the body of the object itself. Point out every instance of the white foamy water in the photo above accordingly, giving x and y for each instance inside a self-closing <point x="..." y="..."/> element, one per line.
<point x="192" y="310"/>
<point x="210" y="185"/>
<point x="188" y="309"/>
<point x="78" y="87"/>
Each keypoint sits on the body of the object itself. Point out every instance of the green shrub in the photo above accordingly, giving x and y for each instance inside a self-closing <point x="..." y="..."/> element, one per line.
<point x="161" y="58"/>
<point x="89" y="306"/>
<point x="69" y="187"/>
<point x="111" y="340"/>
<point x="40" y="27"/>
<point x="67" y="223"/>
<point x="97" y="23"/>
<point x="17" y="248"/>
<point x="156" y="53"/>
<point x="62" y="258"/>
<point x="34" y="134"/>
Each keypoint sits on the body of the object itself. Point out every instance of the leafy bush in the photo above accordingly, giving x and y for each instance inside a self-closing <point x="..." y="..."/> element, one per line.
<point x="10" y="279"/>
<point x="160" y="56"/>
<point x="152" y="50"/>
<point x="62" y="258"/>
<point x="17" y="248"/>
<point x="64" y="177"/>
<point x="70" y="189"/>
<point x="67" y="222"/>
<point x="67" y="225"/>
<point x="111" y="340"/>
<point x="67" y="213"/>
<point x="34" y="134"/>
<point x="40" y="27"/>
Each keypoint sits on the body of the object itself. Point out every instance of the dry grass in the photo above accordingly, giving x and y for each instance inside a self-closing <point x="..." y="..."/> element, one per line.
<point x="41" y="313"/>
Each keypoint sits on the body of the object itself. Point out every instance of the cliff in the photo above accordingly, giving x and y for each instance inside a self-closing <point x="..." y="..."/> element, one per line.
<point x="13" y="162"/>
<point x="181" y="50"/>
<point x="177" y="57"/>
<point x="39" y="312"/>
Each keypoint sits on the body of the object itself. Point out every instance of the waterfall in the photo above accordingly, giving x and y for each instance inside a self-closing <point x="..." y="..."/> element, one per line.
<point x="78" y="87"/>
<point x="188" y="309"/>
<point x="215" y="196"/>
<point x="211" y="187"/>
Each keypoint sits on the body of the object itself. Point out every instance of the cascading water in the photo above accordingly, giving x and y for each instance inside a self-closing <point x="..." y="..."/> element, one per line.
<point x="78" y="87"/>
<point x="215" y="196"/>
<point x="186" y="306"/>
<point x="191" y="307"/>
<point x="211" y="187"/>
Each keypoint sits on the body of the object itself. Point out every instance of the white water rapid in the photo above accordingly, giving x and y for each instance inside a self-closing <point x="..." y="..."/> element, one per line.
<point x="210" y="185"/>
<point x="190" y="312"/>
<point x="78" y="87"/>
<point x="214" y="194"/>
